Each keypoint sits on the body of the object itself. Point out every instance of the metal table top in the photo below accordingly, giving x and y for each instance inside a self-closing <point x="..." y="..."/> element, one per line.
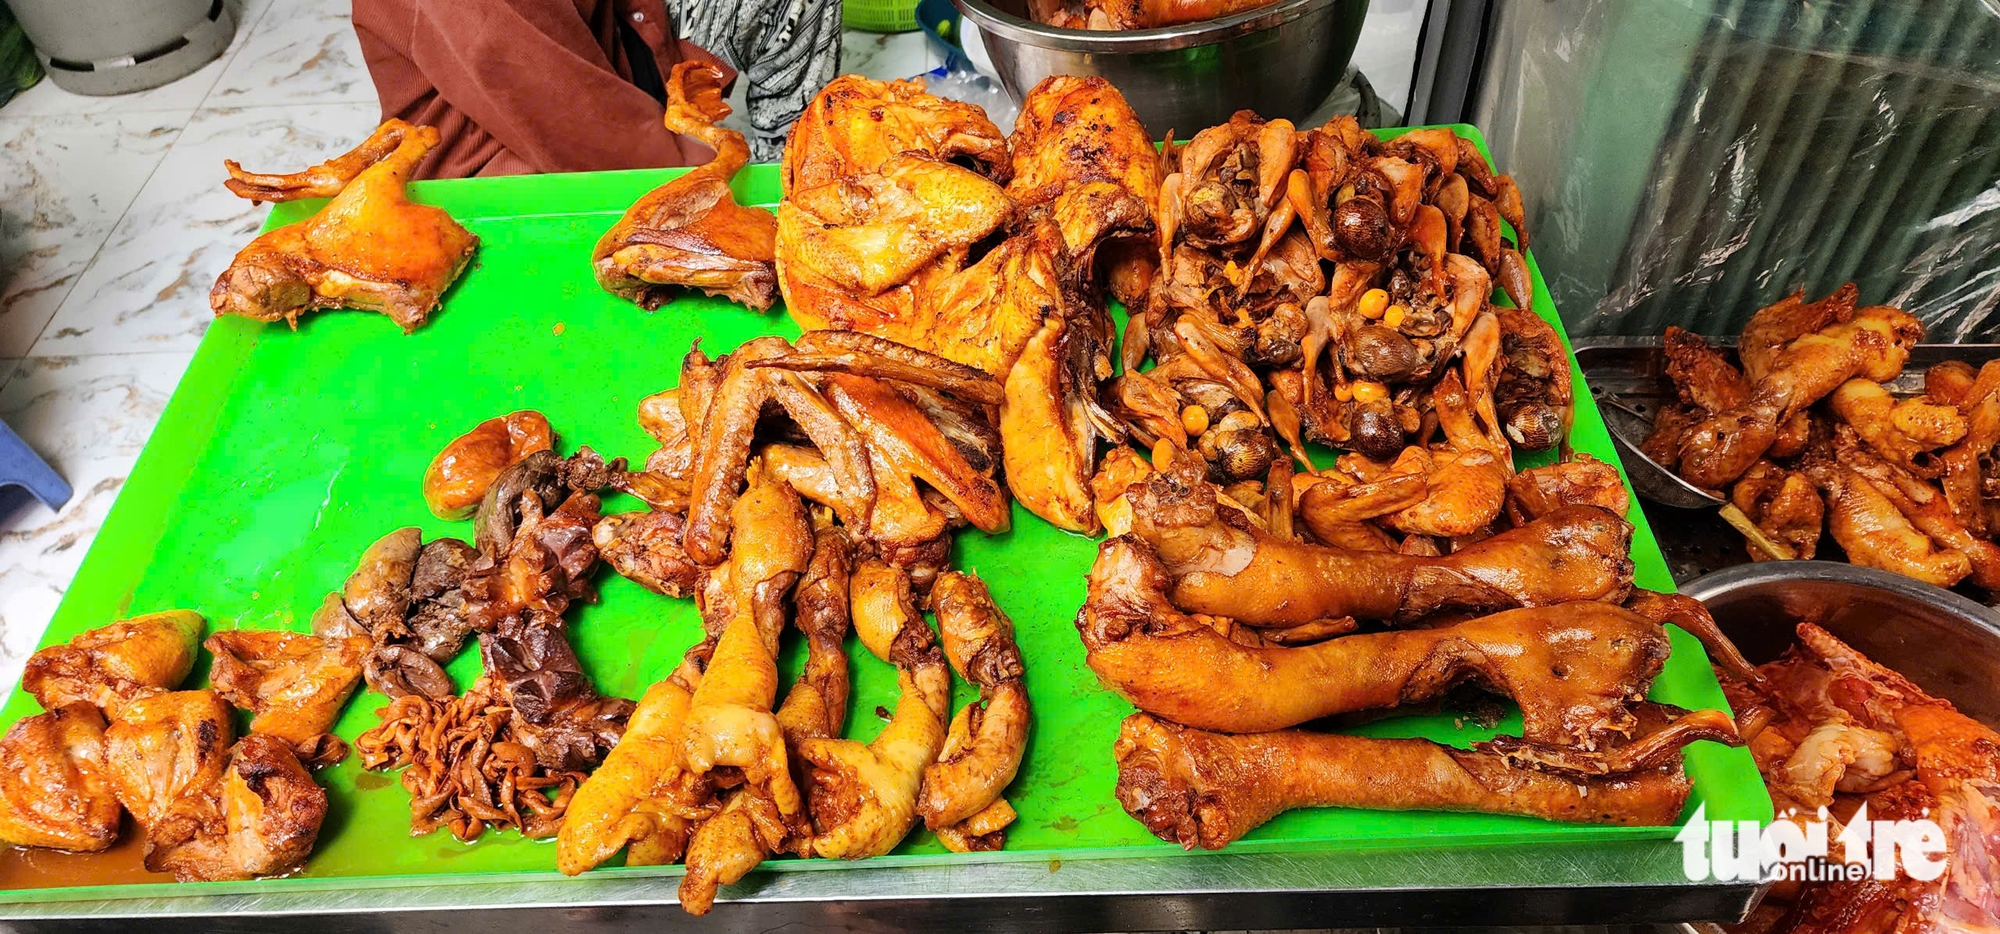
<point x="1623" y="883"/>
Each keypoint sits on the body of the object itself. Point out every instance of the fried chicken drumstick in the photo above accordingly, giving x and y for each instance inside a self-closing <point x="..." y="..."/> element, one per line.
<point x="690" y="233"/>
<point x="370" y="248"/>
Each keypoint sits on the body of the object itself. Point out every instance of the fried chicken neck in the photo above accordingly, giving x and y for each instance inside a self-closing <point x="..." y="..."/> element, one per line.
<point x="961" y="797"/>
<point x="1574" y="669"/>
<point x="371" y="247"/>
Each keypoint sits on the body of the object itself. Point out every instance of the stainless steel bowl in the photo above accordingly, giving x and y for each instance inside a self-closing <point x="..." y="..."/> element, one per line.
<point x="1281" y="60"/>
<point x="1947" y="644"/>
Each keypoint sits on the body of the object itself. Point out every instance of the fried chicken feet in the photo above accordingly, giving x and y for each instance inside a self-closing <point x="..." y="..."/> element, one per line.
<point x="370" y="248"/>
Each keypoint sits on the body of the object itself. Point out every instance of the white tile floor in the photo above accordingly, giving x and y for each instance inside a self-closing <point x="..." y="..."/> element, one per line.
<point x="113" y="224"/>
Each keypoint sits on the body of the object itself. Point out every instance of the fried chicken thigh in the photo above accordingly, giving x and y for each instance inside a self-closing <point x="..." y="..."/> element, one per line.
<point x="113" y="665"/>
<point x="690" y="233"/>
<point x="370" y="248"/>
<point x="55" y="790"/>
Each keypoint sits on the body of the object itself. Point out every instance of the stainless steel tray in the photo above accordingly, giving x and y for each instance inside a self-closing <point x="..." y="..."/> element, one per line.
<point x="1697" y="541"/>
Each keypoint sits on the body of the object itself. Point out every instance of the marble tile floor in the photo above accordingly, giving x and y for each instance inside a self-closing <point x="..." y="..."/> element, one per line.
<point x="113" y="224"/>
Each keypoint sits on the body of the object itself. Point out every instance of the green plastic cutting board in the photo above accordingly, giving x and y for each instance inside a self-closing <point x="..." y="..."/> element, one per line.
<point x="284" y="453"/>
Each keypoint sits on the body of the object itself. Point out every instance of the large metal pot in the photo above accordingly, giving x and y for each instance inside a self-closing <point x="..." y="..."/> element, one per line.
<point x="1281" y="60"/>
<point x="1947" y="644"/>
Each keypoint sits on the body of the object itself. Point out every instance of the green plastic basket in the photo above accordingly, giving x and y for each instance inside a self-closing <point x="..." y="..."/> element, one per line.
<point x="880" y="15"/>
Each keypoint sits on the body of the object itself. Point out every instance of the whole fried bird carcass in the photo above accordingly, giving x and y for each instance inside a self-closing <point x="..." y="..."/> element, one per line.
<point x="690" y="233"/>
<point x="1833" y="731"/>
<point x="883" y="229"/>
<point x="370" y="248"/>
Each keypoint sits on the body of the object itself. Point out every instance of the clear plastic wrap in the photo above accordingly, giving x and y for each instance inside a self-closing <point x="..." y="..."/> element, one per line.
<point x="1686" y="162"/>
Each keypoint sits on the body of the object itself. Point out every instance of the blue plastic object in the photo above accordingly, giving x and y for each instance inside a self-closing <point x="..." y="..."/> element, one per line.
<point x="21" y="466"/>
<point x="939" y="21"/>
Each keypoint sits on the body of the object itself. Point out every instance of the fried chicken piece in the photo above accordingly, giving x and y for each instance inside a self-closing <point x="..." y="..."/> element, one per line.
<point x="260" y="819"/>
<point x="729" y="720"/>
<point x="1205" y="789"/>
<point x="1873" y="344"/>
<point x="1701" y="375"/>
<point x="1534" y="396"/>
<point x="370" y="248"/>
<point x="729" y="425"/>
<point x="1922" y="504"/>
<point x="1904" y="432"/>
<point x="645" y="548"/>
<point x="1875" y="534"/>
<point x="905" y="445"/>
<point x="459" y="476"/>
<point x="55" y="787"/>
<point x="1776" y="325"/>
<point x="1585" y="481"/>
<point x="1340" y="514"/>
<point x="1962" y="471"/>
<point x="1133" y="14"/>
<point x="640" y="796"/>
<point x="864" y="797"/>
<point x="111" y="666"/>
<point x="293" y="684"/>
<point x="1179" y="666"/>
<point x="690" y="233"/>
<point x="749" y="826"/>
<point x="986" y="741"/>
<point x="855" y="124"/>
<point x="1077" y="130"/>
<point x="161" y="746"/>
<point x="1663" y="441"/>
<point x="1222" y="564"/>
<point x="1782" y="503"/>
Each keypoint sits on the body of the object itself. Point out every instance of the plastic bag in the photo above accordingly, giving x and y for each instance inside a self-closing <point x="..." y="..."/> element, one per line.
<point x="965" y="84"/>
<point x="1687" y="162"/>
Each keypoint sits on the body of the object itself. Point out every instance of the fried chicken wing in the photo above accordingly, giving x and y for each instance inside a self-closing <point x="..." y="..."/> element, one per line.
<point x="260" y="819"/>
<point x="294" y="684"/>
<point x="1701" y="375"/>
<point x="986" y="741"/>
<point x="1873" y="344"/>
<point x="1905" y="432"/>
<point x="161" y="746"/>
<point x="1179" y="666"/>
<point x="111" y="666"/>
<point x="690" y="233"/>
<point x="864" y="797"/>
<point x="1585" y="481"/>
<point x="1222" y="564"/>
<point x="1205" y="789"/>
<point x="1875" y="534"/>
<point x="55" y="788"/>
<point x="370" y="248"/>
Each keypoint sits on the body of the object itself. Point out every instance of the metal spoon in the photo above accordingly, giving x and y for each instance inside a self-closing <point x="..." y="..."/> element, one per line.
<point x="1651" y="480"/>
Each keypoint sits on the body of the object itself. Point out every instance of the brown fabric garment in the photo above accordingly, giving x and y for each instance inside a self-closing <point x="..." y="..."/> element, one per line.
<point x="525" y="86"/>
